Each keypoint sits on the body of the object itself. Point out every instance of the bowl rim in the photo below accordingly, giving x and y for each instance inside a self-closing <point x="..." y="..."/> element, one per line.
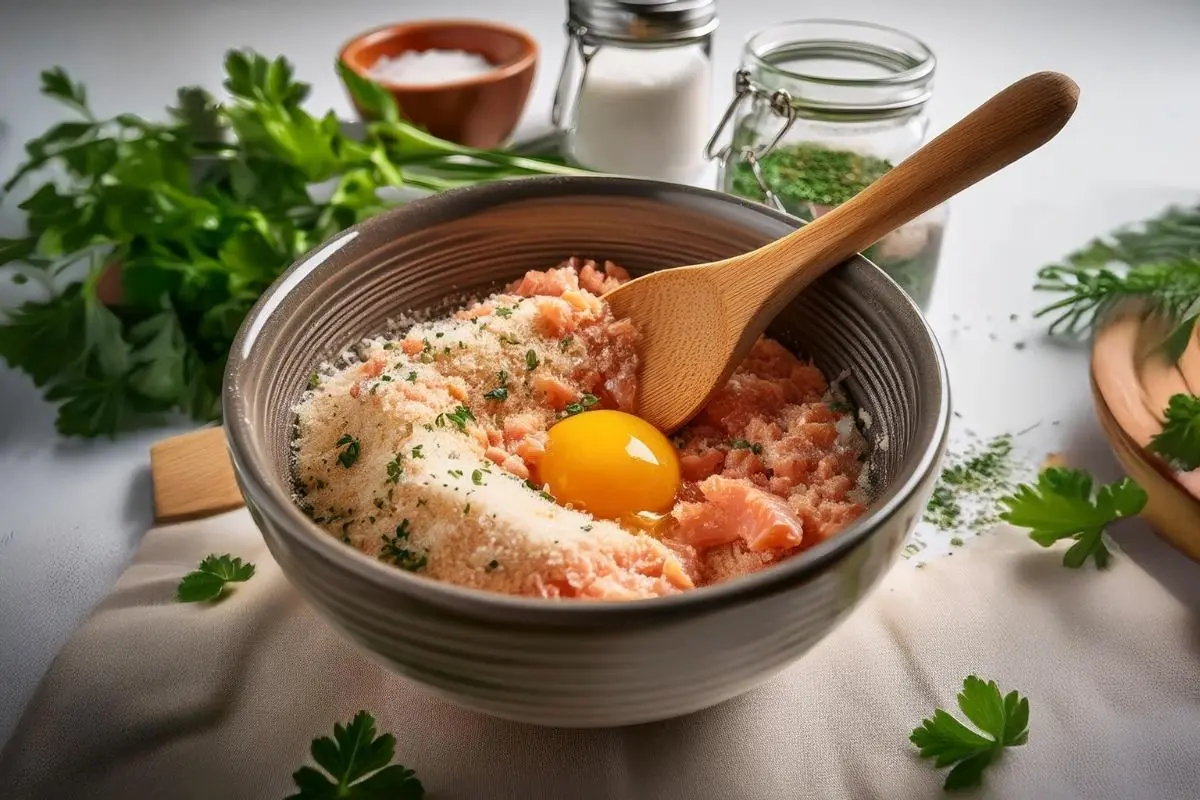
<point x="498" y="73"/>
<point x="251" y="460"/>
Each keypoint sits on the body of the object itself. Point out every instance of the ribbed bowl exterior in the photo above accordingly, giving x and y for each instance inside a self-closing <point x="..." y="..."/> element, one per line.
<point x="569" y="663"/>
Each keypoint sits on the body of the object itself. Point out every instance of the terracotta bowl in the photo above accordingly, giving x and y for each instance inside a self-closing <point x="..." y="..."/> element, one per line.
<point x="481" y="111"/>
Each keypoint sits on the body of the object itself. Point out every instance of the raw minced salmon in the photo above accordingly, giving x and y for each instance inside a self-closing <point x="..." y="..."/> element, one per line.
<point x="424" y="451"/>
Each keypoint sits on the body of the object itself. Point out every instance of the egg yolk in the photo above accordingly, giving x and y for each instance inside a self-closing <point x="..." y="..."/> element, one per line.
<point x="610" y="464"/>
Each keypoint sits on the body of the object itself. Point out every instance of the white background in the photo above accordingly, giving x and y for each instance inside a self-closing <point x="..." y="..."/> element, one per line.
<point x="72" y="512"/>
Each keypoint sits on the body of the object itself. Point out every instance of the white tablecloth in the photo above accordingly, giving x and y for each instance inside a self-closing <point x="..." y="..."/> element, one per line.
<point x="153" y="698"/>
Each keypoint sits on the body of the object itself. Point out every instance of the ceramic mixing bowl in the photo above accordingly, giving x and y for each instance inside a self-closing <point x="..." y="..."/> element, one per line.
<point x="580" y="663"/>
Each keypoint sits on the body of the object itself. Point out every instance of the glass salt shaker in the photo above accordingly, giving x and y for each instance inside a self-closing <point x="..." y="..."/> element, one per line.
<point x="821" y="109"/>
<point x="633" y="95"/>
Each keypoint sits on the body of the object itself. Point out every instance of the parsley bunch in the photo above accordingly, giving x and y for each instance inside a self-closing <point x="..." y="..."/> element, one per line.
<point x="1158" y="263"/>
<point x="1061" y="506"/>
<point x="155" y="238"/>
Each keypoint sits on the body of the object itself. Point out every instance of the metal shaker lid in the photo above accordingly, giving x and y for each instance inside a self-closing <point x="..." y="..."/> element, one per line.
<point x="642" y="21"/>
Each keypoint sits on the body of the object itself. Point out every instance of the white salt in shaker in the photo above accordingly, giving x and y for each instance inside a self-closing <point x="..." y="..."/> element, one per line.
<point x="633" y="96"/>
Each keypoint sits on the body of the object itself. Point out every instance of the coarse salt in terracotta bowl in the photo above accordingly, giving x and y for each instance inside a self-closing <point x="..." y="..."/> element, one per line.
<point x="479" y="111"/>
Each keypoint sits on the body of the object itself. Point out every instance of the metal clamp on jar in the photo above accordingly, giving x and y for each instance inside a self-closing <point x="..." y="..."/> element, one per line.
<point x="821" y="109"/>
<point x="633" y="94"/>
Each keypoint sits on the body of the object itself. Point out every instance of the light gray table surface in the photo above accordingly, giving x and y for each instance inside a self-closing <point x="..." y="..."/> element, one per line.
<point x="72" y="512"/>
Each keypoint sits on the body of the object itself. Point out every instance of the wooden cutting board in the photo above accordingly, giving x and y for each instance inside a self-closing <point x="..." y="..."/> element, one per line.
<point x="193" y="477"/>
<point x="1131" y="383"/>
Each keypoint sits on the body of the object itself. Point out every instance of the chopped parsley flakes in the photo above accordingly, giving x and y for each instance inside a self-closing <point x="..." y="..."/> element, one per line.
<point x="742" y="444"/>
<point x="585" y="402"/>
<point x="458" y="418"/>
<point x="351" y="452"/>
<point x="395" y="549"/>
<point x="395" y="468"/>
<point x="501" y="391"/>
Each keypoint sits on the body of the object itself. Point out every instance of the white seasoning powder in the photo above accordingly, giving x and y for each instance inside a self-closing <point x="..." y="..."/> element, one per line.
<point x="430" y="67"/>
<point x="644" y="112"/>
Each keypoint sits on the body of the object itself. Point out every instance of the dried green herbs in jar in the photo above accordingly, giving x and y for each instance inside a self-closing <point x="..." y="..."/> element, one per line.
<point x="809" y="180"/>
<point x="822" y="109"/>
<point x="808" y="175"/>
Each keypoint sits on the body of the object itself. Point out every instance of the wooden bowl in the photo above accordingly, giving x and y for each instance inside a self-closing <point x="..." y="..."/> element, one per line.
<point x="1131" y="383"/>
<point x="481" y="111"/>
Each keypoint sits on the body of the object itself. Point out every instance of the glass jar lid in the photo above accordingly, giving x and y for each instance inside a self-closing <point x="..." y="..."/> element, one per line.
<point x="840" y="69"/>
<point x="642" y="22"/>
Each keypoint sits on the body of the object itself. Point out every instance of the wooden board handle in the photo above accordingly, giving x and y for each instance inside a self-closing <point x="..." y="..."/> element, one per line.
<point x="193" y="477"/>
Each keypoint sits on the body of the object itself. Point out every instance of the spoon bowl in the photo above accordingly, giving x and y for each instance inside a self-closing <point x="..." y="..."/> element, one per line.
<point x="698" y="322"/>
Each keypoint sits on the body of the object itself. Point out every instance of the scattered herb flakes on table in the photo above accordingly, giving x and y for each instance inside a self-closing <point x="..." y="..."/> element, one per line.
<point x="178" y="226"/>
<point x="965" y="499"/>
<point x="1003" y="720"/>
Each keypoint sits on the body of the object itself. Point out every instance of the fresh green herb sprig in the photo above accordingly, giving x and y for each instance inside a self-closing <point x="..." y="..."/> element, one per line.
<point x="1157" y="263"/>
<point x="1003" y="720"/>
<point x="1179" y="440"/>
<point x="1061" y="505"/>
<point x="209" y="581"/>
<point x="151" y="240"/>
<point x="357" y="765"/>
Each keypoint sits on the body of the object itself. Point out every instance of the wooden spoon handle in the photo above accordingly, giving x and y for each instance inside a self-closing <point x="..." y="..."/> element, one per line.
<point x="1012" y="124"/>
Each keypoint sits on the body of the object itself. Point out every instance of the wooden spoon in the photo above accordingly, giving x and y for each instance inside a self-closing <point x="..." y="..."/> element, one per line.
<point x="699" y="322"/>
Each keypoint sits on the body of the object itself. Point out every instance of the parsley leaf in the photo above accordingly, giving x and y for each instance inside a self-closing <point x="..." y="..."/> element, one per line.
<point x="1179" y="441"/>
<point x="359" y="766"/>
<point x="742" y="444"/>
<point x="1003" y="718"/>
<point x="1061" y="506"/>
<point x="350" y="454"/>
<point x="207" y="582"/>
<point x="531" y="360"/>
